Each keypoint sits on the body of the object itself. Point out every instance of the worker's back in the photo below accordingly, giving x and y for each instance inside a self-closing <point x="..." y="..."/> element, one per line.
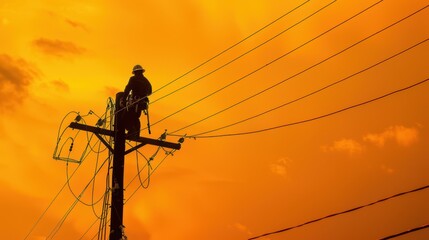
<point x="139" y="85"/>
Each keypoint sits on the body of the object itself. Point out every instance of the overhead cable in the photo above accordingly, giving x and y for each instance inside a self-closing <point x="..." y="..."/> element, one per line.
<point x="68" y="178"/>
<point x="234" y="45"/>
<point x="289" y="102"/>
<point x="310" y="119"/>
<point x="77" y="199"/>
<point x="343" y="212"/>
<point x="135" y="191"/>
<point x="405" y="232"/>
<point x="267" y="64"/>
<point x="247" y="52"/>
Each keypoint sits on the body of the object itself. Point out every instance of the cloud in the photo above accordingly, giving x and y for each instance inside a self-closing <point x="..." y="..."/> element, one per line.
<point x="242" y="228"/>
<point x="403" y="136"/>
<point x="57" y="47"/>
<point x="76" y="24"/>
<point x="349" y="146"/>
<point x="60" y="86"/>
<point x="15" y="77"/>
<point x="280" y="167"/>
<point x="57" y="17"/>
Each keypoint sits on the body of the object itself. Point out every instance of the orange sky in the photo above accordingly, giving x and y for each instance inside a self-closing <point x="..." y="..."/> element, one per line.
<point x="61" y="56"/>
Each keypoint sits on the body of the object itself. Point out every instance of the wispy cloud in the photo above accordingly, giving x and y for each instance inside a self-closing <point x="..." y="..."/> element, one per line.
<point x="242" y="228"/>
<point x="60" y="86"/>
<point x="403" y="136"/>
<point x="76" y="24"/>
<point x="57" y="47"/>
<point x="349" y="146"/>
<point x="280" y="167"/>
<point x="73" y="23"/>
<point x="15" y="77"/>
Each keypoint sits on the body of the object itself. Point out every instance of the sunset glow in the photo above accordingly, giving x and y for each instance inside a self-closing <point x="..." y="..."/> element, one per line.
<point x="290" y="111"/>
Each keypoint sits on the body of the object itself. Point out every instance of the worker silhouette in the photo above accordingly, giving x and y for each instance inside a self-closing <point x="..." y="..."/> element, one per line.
<point x="136" y="94"/>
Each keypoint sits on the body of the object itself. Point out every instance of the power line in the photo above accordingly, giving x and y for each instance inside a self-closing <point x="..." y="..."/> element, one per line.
<point x="287" y="103"/>
<point x="311" y="119"/>
<point x="68" y="178"/>
<point x="343" y="212"/>
<point x="77" y="199"/>
<point x="234" y="45"/>
<point x="271" y="62"/>
<point x="326" y="59"/>
<point x="84" y="155"/>
<point x="215" y="70"/>
<point x="135" y="191"/>
<point x="406" y="232"/>
<point x="247" y="52"/>
<point x="156" y="167"/>
<point x="170" y="153"/>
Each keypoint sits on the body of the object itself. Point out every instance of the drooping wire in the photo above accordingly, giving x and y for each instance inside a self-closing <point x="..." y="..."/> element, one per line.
<point x="57" y="155"/>
<point x="59" y="136"/>
<point x="406" y="232"/>
<point x="50" y="204"/>
<point x="292" y="101"/>
<point x="311" y="119"/>
<point x="77" y="199"/>
<point x="135" y="191"/>
<point x="342" y="212"/>
<point x="138" y="169"/>
<point x="247" y="52"/>
<point x="156" y="167"/>
<point x="267" y="64"/>
<point x="84" y="155"/>
<point x="93" y="203"/>
<point x="102" y="230"/>
<point x="61" y="222"/>
<point x="215" y="70"/>
<point x="231" y="47"/>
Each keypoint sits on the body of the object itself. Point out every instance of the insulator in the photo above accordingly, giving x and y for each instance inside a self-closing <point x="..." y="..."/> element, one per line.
<point x="78" y="118"/>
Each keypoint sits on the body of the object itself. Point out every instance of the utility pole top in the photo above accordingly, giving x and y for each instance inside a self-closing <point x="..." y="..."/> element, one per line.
<point x="119" y="152"/>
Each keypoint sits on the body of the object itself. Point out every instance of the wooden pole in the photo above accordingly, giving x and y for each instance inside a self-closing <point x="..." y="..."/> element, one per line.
<point x="117" y="207"/>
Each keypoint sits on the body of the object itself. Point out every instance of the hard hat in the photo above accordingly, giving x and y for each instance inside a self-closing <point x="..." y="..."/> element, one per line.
<point x="137" y="68"/>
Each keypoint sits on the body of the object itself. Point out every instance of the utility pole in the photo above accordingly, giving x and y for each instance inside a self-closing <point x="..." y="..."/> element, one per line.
<point x="118" y="150"/>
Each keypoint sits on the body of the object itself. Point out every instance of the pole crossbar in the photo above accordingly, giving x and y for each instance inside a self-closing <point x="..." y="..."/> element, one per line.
<point x="142" y="140"/>
<point x="104" y="142"/>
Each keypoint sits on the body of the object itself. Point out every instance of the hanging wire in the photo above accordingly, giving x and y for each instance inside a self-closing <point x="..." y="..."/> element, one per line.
<point x="342" y="212"/>
<point x="314" y="118"/>
<point x="269" y="63"/>
<point x="247" y="52"/>
<point x="289" y="102"/>
<point x="406" y="232"/>
<point x="170" y="153"/>
<point x="277" y="35"/>
<point x="234" y="45"/>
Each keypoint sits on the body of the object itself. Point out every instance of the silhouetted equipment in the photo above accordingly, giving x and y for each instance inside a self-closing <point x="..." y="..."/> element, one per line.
<point x="119" y="152"/>
<point x="134" y="106"/>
